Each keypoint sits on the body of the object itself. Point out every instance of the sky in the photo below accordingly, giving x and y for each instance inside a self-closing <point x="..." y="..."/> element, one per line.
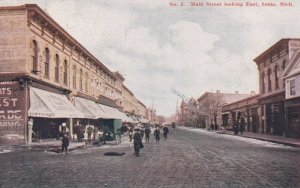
<point x="158" y="47"/>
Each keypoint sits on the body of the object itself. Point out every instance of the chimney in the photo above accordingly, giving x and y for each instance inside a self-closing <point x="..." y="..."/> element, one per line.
<point x="252" y="93"/>
<point x="218" y="91"/>
<point x="236" y="92"/>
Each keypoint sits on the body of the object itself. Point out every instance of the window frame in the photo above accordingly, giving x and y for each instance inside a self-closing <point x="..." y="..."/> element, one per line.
<point x="47" y="63"/>
<point x="65" y="72"/>
<point x="293" y="87"/>
<point x="57" y="64"/>
<point x="35" y="57"/>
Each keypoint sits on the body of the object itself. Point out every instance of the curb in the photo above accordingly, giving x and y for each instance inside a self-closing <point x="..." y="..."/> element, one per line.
<point x="265" y="139"/>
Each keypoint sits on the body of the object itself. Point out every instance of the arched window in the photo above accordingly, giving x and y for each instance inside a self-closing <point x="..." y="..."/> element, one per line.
<point x="56" y="68"/>
<point x="86" y="82"/>
<point x="66" y="72"/>
<point x="269" y="80"/>
<point x="47" y="63"/>
<point x="263" y="88"/>
<point x="80" y="80"/>
<point x="74" y="76"/>
<point x="276" y="71"/>
<point x="35" y="58"/>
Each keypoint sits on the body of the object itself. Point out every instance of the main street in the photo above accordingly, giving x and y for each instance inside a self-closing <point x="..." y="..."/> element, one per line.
<point x="189" y="158"/>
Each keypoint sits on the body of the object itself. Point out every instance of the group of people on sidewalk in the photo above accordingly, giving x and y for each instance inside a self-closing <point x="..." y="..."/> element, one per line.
<point x="137" y="135"/>
<point x="239" y="127"/>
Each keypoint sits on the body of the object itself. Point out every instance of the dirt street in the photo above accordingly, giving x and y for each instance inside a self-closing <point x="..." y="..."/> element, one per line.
<point x="187" y="159"/>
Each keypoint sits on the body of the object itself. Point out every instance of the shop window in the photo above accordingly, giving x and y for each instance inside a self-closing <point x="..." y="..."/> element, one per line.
<point x="66" y="72"/>
<point x="293" y="87"/>
<point x="57" y="68"/>
<point x="35" y="58"/>
<point x="47" y="62"/>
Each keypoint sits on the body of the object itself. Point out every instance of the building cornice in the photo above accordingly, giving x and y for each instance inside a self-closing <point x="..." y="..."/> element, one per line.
<point x="281" y="44"/>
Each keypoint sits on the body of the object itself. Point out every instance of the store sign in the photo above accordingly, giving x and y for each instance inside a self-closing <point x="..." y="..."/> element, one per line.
<point x="12" y="113"/>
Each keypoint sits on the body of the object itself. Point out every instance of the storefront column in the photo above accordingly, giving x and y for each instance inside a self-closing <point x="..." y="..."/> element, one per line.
<point x="30" y="125"/>
<point x="263" y="118"/>
<point x="71" y="127"/>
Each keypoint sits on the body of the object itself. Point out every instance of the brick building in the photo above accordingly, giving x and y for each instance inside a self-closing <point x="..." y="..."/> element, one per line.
<point x="49" y="81"/>
<point x="271" y="65"/>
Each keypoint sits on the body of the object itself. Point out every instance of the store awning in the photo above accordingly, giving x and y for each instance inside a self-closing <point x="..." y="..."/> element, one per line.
<point x="143" y="120"/>
<point x="127" y="119"/>
<point x="51" y="105"/>
<point x="88" y="108"/>
<point x="110" y="112"/>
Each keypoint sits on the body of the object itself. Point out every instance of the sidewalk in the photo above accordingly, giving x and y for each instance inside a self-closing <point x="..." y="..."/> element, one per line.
<point x="43" y="145"/>
<point x="53" y="145"/>
<point x="270" y="138"/>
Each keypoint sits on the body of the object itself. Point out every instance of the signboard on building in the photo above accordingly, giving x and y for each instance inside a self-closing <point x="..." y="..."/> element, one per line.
<point x="12" y="113"/>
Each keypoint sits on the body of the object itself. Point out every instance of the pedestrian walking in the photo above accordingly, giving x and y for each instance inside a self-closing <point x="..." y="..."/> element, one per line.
<point x="165" y="131"/>
<point x="130" y="134"/>
<point x="236" y="128"/>
<point x="157" y="134"/>
<point x="147" y="134"/>
<point x="173" y="125"/>
<point x="142" y="133"/>
<point x="137" y="142"/>
<point x="89" y="131"/>
<point x="65" y="144"/>
<point x="242" y="126"/>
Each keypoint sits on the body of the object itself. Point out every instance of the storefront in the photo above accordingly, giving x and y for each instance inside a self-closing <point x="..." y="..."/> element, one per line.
<point x="51" y="114"/>
<point x="293" y="117"/>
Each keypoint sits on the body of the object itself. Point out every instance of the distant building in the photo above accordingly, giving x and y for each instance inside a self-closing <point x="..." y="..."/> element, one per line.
<point x="246" y="109"/>
<point x="210" y="106"/>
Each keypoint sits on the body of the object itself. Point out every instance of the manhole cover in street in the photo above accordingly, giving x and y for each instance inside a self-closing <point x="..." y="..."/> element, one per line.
<point x="113" y="154"/>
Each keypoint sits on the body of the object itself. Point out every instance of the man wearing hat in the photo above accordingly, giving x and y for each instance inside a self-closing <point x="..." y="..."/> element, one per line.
<point x="137" y="142"/>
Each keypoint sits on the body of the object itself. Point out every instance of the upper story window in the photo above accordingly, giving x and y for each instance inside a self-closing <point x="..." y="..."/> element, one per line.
<point x="35" y="58"/>
<point x="65" y="72"/>
<point x="86" y="82"/>
<point x="80" y="80"/>
<point x="74" y="76"/>
<point x="57" y="68"/>
<point x="269" y="80"/>
<point x="263" y="88"/>
<point x="293" y="87"/>
<point x="92" y="86"/>
<point x="283" y="64"/>
<point x="276" y="71"/>
<point x="283" y="67"/>
<point x="47" y="63"/>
